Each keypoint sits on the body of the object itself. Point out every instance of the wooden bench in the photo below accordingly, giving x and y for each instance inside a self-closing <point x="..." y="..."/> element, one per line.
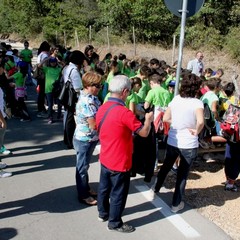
<point x="211" y="150"/>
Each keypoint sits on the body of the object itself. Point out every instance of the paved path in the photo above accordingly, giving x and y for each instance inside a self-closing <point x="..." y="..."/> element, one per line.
<point x="39" y="201"/>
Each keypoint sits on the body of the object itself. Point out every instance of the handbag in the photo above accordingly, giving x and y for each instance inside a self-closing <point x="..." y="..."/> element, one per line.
<point x="68" y="95"/>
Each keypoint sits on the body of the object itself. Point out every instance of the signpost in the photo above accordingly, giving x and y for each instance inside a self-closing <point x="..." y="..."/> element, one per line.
<point x="183" y="9"/>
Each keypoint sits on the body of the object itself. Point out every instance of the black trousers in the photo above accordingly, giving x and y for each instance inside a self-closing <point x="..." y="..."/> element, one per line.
<point x="69" y="126"/>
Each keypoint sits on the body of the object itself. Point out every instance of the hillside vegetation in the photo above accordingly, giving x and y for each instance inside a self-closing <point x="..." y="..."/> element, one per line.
<point x="215" y="26"/>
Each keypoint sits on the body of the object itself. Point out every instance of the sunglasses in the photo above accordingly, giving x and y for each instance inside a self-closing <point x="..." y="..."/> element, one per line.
<point x="97" y="86"/>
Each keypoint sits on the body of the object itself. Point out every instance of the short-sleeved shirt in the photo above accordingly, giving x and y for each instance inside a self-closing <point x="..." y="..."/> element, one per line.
<point x="208" y="98"/>
<point x="158" y="96"/>
<point x="116" y="135"/>
<point x="109" y="77"/>
<point x="183" y="115"/>
<point x="132" y="98"/>
<point x="87" y="107"/>
<point x="26" y="55"/>
<point x="42" y="56"/>
<point x="8" y="65"/>
<point x="51" y="75"/>
<point x="19" y="79"/>
<point x="75" y="76"/>
<point x="144" y="89"/>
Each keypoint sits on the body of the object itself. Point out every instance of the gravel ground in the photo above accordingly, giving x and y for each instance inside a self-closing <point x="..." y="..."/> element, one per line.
<point x="205" y="192"/>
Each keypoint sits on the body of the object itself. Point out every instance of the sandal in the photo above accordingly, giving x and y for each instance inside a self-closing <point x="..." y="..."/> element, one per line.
<point x="89" y="201"/>
<point x="92" y="193"/>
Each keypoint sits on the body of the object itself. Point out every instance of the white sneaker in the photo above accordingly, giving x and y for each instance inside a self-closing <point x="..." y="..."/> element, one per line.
<point x="177" y="208"/>
<point x="4" y="174"/>
<point x="151" y="194"/>
<point x="3" y="165"/>
<point x="4" y="151"/>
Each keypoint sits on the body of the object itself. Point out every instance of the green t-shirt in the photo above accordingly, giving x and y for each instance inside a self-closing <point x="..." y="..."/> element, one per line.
<point x="109" y="77"/>
<point x="51" y="75"/>
<point x="8" y="65"/>
<point x="26" y="55"/>
<point x="144" y="89"/>
<point x="19" y="79"/>
<point x="107" y="96"/>
<point x="120" y="65"/>
<point x="128" y="72"/>
<point x="158" y="96"/>
<point x="131" y="98"/>
<point x="165" y="83"/>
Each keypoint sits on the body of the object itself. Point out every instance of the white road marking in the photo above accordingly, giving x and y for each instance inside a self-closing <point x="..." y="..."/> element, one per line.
<point x="175" y="219"/>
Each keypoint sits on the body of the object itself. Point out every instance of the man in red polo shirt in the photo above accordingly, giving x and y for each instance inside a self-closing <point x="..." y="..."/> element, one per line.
<point x="116" y="125"/>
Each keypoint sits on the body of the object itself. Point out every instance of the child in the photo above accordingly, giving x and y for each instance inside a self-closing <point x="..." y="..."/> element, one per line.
<point x="20" y="91"/>
<point x="143" y="74"/>
<point x="26" y="56"/>
<point x="211" y="99"/>
<point x="52" y="73"/>
<point x="132" y="99"/>
<point x="157" y="96"/>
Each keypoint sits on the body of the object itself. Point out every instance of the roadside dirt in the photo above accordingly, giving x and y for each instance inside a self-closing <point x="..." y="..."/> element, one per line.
<point x="205" y="192"/>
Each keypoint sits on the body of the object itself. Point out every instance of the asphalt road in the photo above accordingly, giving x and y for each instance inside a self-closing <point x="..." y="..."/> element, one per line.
<point x="40" y="201"/>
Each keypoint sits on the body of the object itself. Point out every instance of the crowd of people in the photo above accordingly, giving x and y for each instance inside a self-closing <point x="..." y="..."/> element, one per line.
<point x="129" y="106"/>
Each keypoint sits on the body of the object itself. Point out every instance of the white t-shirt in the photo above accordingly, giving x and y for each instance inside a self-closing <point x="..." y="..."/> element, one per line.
<point x="183" y="114"/>
<point x="75" y="76"/>
<point x="42" y="56"/>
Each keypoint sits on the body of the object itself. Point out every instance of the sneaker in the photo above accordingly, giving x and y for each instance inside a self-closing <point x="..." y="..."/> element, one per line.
<point x="4" y="174"/>
<point x="102" y="219"/>
<point x="3" y="165"/>
<point x="177" y="208"/>
<point x="50" y="121"/>
<point x="4" y="151"/>
<point x="151" y="194"/>
<point x="203" y="144"/>
<point x="230" y="187"/>
<point x="125" y="228"/>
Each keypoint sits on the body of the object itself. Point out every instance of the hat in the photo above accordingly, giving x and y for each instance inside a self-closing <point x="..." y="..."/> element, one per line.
<point x="52" y="60"/>
<point x="172" y="83"/>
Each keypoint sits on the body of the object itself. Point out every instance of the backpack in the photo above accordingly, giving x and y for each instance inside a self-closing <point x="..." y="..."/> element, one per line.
<point x="160" y="127"/>
<point x="230" y="124"/>
<point x="209" y="121"/>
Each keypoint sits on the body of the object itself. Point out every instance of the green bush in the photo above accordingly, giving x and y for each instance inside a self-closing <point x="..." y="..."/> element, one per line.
<point x="232" y="45"/>
<point x="199" y="36"/>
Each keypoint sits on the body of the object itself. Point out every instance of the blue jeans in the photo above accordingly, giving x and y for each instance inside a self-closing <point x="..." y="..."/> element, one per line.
<point x="50" y="104"/>
<point x="113" y="186"/>
<point x="187" y="156"/>
<point x="84" y="152"/>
